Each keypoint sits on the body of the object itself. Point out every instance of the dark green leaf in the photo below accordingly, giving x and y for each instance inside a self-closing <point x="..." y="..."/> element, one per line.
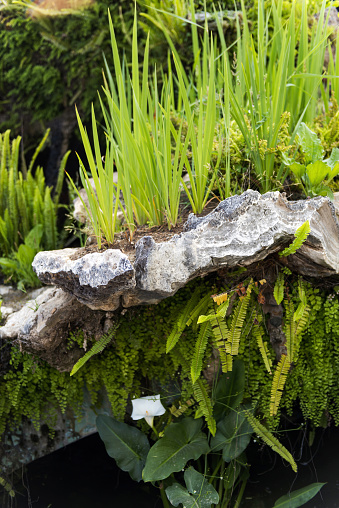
<point x="199" y="493"/>
<point x="233" y="435"/>
<point x="230" y="390"/>
<point x="126" y="444"/>
<point x="181" y="442"/>
<point x="298" y="497"/>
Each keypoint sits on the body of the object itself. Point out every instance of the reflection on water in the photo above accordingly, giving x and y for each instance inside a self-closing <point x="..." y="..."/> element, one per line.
<point x="82" y="475"/>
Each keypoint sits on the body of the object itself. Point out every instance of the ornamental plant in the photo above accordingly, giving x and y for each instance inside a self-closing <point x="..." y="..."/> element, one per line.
<point x="185" y="441"/>
<point x="316" y="173"/>
<point x="28" y="210"/>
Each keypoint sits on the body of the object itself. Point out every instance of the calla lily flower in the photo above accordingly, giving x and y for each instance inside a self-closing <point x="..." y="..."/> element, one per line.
<point x="147" y="407"/>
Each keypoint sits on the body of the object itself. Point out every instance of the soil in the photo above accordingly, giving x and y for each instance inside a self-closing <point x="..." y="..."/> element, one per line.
<point x="158" y="233"/>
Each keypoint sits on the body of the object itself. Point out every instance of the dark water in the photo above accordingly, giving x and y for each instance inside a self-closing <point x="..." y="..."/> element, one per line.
<point x="82" y="475"/>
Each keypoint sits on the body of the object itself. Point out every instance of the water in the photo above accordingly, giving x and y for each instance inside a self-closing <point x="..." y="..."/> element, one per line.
<point x="82" y="475"/>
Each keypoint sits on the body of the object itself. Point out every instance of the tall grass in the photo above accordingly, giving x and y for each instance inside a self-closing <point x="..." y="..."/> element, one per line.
<point x="280" y="72"/>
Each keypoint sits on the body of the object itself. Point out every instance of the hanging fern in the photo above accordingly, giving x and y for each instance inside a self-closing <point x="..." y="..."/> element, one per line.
<point x="7" y="486"/>
<point x="181" y="409"/>
<point x="200" y="348"/>
<point x="200" y="389"/>
<point x="270" y="440"/>
<point x="238" y="320"/>
<point x="278" y="383"/>
<point x="97" y="348"/>
<point x="300" y="236"/>
<point x="278" y="291"/>
<point x="258" y="332"/>
<point x="219" y="299"/>
<point x="185" y="318"/>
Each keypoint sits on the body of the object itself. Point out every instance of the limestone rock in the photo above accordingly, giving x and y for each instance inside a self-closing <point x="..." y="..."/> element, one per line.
<point x="96" y="279"/>
<point x="42" y="326"/>
<point x="242" y="230"/>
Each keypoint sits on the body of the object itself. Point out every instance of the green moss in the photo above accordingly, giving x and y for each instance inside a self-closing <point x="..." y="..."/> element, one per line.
<point x="136" y="364"/>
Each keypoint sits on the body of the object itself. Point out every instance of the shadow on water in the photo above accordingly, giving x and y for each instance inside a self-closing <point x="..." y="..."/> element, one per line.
<point x="271" y="477"/>
<point x="82" y="475"/>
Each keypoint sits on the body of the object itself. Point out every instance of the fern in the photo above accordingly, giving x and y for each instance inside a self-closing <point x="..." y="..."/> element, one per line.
<point x="257" y="332"/>
<point x="97" y="348"/>
<point x="278" y="291"/>
<point x="300" y="236"/>
<point x="191" y="311"/>
<point x="279" y="380"/>
<point x="270" y="440"/>
<point x="181" y="409"/>
<point x="238" y="320"/>
<point x="219" y="299"/>
<point x="7" y="486"/>
<point x="200" y="390"/>
<point x="200" y="348"/>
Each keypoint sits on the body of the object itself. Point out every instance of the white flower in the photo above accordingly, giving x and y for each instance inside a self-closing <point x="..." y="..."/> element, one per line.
<point x="147" y="407"/>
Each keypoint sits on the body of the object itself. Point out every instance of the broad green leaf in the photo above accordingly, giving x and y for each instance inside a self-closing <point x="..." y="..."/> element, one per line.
<point x="323" y="190"/>
<point x="298" y="497"/>
<point x="200" y="493"/>
<point x="233" y="435"/>
<point x="230" y="390"/>
<point x="333" y="158"/>
<point x="297" y="169"/>
<point x="127" y="445"/>
<point x="182" y="442"/>
<point x="310" y="144"/>
<point x="317" y="172"/>
<point x="177" y="494"/>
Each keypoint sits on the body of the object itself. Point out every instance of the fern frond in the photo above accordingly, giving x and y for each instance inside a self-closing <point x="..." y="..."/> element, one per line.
<point x="38" y="149"/>
<point x="7" y="486"/>
<point x="60" y="181"/>
<point x="199" y="351"/>
<point x="96" y="348"/>
<point x="181" y="409"/>
<point x="257" y="332"/>
<point x="278" y="383"/>
<point x="270" y="440"/>
<point x="278" y="291"/>
<point x="200" y="390"/>
<point x="193" y="308"/>
<point x="219" y="299"/>
<point x="238" y="320"/>
<point x="300" y="236"/>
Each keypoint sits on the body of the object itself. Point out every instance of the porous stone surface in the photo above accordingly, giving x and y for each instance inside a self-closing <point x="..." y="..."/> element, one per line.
<point x="241" y="230"/>
<point x="42" y="326"/>
<point x="96" y="279"/>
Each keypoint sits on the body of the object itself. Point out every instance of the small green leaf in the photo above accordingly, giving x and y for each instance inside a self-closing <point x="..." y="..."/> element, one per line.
<point x="333" y="158"/>
<point x="297" y="169"/>
<point x="199" y="494"/>
<point x="278" y="291"/>
<point x="127" y="445"/>
<point x="317" y="172"/>
<point x="182" y="442"/>
<point x="298" y="497"/>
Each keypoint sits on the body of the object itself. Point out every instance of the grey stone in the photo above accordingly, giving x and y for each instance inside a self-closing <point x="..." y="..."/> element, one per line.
<point x="96" y="279"/>
<point x="241" y="230"/>
<point x="43" y="325"/>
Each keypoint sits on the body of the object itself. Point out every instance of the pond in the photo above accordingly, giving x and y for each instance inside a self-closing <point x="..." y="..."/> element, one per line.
<point x="82" y="475"/>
